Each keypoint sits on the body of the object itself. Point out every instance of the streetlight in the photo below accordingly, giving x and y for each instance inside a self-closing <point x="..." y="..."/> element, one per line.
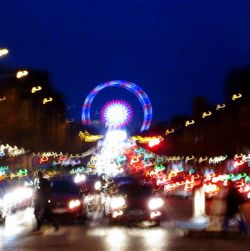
<point x="168" y="131"/>
<point x="220" y="106"/>
<point x="236" y="96"/>
<point x="21" y="74"/>
<point x="36" y="89"/>
<point x="206" y="114"/>
<point x="3" y="52"/>
<point x="189" y="122"/>
<point x="46" y="100"/>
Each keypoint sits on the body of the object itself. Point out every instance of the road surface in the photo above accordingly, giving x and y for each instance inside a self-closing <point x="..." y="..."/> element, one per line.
<point x="97" y="235"/>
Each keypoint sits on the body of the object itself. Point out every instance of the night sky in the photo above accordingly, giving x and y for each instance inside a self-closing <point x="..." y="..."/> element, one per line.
<point x="173" y="49"/>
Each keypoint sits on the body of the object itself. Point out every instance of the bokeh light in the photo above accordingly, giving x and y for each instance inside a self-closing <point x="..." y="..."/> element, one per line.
<point x="116" y="113"/>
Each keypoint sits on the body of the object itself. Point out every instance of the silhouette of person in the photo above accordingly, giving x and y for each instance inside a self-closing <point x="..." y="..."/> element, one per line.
<point x="42" y="202"/>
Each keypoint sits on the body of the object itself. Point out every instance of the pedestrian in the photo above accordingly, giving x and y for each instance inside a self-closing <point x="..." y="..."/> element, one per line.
<point x="42" y="202"/>
<point x="234" y="201"/>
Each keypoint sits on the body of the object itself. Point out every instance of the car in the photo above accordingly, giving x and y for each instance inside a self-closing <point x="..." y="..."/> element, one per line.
<point x="67" y="199"/>
<point x="134" y="202"/>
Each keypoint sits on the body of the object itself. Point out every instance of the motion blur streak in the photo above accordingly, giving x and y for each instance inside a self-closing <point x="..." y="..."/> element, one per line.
<point x="21" y="222"/>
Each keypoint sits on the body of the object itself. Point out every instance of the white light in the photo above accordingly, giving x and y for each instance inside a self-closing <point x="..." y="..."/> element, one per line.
<point x="21" y="74"/>
<point x="116" y="114"/>
<point x="117" y="202"/>
<point x="153" y="142"/>
<point x="17" y="196"/>
<point x="117" y="213"/>
<point x="116" y="239"/>
<point x="79" y="178"/>
<point x="74" y="203"/>
<point x="112" y="147"/>
<point x="116" y="135"/>
<point x="3" y="52"/>
<point x="98" y="185"/>
<point x="155" y="203"/>
<point x="155" y="214"/>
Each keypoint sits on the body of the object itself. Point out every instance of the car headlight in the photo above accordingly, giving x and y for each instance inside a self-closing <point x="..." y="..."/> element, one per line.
<point x="117" y="202"/>
<point x="79" y="178"/>
<point x="98" y="185"/>
<point x="74" y="204"/>
<point x="155" y="203"/>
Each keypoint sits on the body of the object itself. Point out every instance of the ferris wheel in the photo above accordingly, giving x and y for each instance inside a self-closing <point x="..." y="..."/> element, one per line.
<point x="118" y="113"/>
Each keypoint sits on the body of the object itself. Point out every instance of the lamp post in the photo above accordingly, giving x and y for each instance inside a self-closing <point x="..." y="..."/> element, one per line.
<point x="3" y="52"/>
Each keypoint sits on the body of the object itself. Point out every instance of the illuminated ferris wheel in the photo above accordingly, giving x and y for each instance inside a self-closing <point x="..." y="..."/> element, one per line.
<point x="117" y="113"/>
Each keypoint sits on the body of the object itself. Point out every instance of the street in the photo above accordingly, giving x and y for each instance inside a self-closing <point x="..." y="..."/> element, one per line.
<point x="96" y="234"/>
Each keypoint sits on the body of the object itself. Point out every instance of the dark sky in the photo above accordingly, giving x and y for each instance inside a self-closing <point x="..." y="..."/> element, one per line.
<point x="172" y="49"/>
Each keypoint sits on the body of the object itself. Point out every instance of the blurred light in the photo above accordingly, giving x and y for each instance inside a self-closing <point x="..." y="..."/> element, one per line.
<point x="189" y="158"/>
<point x="247" y="188"/>
<point x="146" y="139"/>
<point x="79" y="178"/>
<point x="157" y="239"/>
<point x="155" y="203"/>
<point x="210" y="188"/>
<point x="36" y="89"/>
<point x="46" y="100"/>
<point x="116" y="135"/>
<point x="3" y="52"/>
<point x="206" y="114"/>
<point x="189" y="122"/>
<point x="116" y="113"/>
<point x="153" y="142"/>
<point x="236" y="96"/>
<point x="199" y="203"/>
<point x="2" y="98"/>
<point x="217" y="159"/>
<point x="117" y="213"/>
<point x="220" y="106"/>
<point x="238" y="163"/>
<point x="155" y="214"/>
<point x="117" y="202"/>
<point x="21" y="74"/>
<point x="98" y="185"/>
<point x="74" y="204"/>
<point x="17" y="196"/>
<point x="88" y="137"/>
<point x="43" y="159"/>
<point x="201" y="159"/>
<point x="169" y="131"/>
<point x="116" y="240"/>
<point x="21" y="222"/>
